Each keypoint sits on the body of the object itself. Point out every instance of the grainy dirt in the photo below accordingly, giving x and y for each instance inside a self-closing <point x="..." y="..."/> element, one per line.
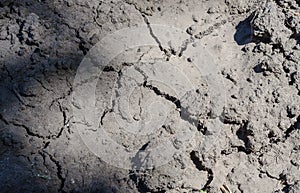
<point x="254" y="147"/>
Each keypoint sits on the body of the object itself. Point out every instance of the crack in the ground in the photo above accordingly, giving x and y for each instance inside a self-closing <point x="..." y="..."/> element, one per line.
<point x="147" y="22"/>
<point x="166" y="96"/>
<point x="136" y="7"/>
<point x="97" y="14"/>
<point x="105" y="112"/>
<point x="64" y="96"/>
<point x="4" y="120"/>
<point x="166" y="52"/>
<point x="282" y="179"/>
<point x="59" y="172"/>
<point x="8" y="72"/>
<point x="42" y="84"/>
<point x="183" y="113"/>
<point x="143" y="54"/>
<point x="243" y="134"/>
<point x="269" y="175"/>
<point x="185" y="44"/>
<point x="20" y="98"/>
<point x="293" y="127"/>
<point x="33" y="134"/>
<point x="145" y="77"/>
<point x="201" y="167"/>
<point x="27" y="129"/>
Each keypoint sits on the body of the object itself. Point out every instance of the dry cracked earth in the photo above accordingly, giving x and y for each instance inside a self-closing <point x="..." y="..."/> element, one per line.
<point x="253" y="145"/>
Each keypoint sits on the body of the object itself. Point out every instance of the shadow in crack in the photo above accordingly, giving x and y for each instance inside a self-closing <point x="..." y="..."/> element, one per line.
<point x="39" y="55"/>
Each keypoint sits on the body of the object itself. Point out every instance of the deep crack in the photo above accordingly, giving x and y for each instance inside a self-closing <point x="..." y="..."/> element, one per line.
<point x="154" y="37"/>
<point x="59" y="172"/>
<point x="201" y="167"/>
<point x="168" y="97"/>
<point x="105" y="112"/>
<point x="27" y="129"/>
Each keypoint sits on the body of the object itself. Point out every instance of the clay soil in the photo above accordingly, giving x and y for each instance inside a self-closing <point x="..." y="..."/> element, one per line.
<point x="253" y="145"/>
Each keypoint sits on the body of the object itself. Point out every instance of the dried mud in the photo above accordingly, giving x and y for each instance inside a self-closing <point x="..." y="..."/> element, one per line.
<point x="255" y="44"/>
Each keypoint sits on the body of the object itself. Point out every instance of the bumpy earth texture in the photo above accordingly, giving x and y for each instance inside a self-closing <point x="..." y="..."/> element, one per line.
<point x="255" y="147"/>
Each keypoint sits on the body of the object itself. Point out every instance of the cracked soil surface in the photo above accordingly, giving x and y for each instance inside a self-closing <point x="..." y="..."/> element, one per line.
<point x="250" y="142"/>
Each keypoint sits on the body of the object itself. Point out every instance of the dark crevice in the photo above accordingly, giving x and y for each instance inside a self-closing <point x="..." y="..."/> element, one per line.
<point x="201" y="167"/>
<point x="226" y="152"/>
<point x="28" y="131"/>
<point x="140" y="185"/>
<point x="42" y="84"/>
<point x="65" y="95"/>
<point x="4" y="120"/>
<point x="227" y="119"/>
<point x="279" y="47"/>
<point x="185" y="45"/>
<point x="20" y="34"/>
<point x="146" y="20"/>
<point x="284" y="181"/>
<point x="184" y="115"/>
<point x="145" y="77"/>
<point x="273" y="138"/>
<point x="59" y="133"/>
<point x="270" y="176"/>
<point x="298" y="3"/>
<point x="243" y="149"/>
<point x="104" y="114"/>
<point x="229" y="77"/>
<point x="168" y="97"/>
<point x="82" y="44"/>
<point x="287" y="24"/>
<point x="293" y="79"/>
<point x="109" y="69"/>
<point x="201" y="128"/>
<point x="155" y="38"/>
<point x="59" y="172"/>
<point x="20" y="98"/>
<point x="82" y="47"/>
<point x="63" y="113"/>
<point x="296" y="36"/>
<point x="136" y="7"/>
<point x="65" y="122"/>
<point x="239" y="188"/>
<point x="293" y="127"/>
<point x="243" y="134"/>
<point x="46" y="144"/>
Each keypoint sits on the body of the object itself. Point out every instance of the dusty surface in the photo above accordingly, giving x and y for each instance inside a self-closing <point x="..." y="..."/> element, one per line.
<point x="255" y="44"/>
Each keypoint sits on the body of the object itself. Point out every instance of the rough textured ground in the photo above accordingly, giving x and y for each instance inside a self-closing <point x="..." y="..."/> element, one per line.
<point x="256" y="45"/>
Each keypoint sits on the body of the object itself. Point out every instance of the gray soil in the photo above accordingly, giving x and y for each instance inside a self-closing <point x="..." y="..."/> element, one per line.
<point x="256" y="46"/>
